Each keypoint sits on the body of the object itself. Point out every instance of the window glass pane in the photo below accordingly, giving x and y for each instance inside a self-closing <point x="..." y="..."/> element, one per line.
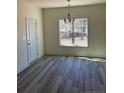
<point x="65" y="33"/>
<point x="81" y="32"/>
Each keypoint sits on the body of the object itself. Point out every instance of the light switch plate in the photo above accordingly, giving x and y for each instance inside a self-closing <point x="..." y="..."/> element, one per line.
<point x="24" y="38"/>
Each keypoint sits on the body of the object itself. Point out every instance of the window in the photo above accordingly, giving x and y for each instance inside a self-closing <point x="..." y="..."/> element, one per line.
<point x="74" y="34"/>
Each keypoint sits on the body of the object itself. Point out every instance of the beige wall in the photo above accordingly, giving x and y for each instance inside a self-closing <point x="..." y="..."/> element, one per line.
<point x="96" y="15"/>
<point x="25" y="9"/>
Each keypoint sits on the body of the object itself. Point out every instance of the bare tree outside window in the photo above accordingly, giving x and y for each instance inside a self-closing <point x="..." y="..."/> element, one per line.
<point x="76" y="38"/>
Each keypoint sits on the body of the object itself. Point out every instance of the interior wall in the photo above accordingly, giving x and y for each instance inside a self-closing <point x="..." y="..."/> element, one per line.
<point x="26" y="9"/>
<point x="96" y="15"/>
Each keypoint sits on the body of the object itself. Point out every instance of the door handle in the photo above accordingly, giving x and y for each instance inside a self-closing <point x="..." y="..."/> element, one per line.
<point x="28" y="43"/>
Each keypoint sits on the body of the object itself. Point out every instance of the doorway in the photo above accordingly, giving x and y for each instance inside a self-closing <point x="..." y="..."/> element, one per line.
<point x="32" y="39"/>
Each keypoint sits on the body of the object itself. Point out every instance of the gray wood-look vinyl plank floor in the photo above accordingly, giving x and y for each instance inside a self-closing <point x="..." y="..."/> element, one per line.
<point x="59" y="74"/>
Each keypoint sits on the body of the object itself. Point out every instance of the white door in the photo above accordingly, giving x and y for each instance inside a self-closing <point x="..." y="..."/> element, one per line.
<point x="32" y="39"/>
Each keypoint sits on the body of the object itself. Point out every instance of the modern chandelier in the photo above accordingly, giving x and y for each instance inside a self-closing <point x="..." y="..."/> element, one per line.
<point x="68" y="18"/>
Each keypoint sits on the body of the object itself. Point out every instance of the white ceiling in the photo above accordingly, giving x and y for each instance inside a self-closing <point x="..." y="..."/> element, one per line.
<point x="63" y="3"/>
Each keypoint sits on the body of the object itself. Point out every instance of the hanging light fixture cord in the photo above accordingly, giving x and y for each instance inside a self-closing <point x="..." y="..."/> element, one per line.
<point x="68" y="6"/>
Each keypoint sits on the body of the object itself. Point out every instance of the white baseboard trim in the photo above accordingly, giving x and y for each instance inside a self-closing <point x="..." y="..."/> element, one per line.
<point x="21" y="68"/>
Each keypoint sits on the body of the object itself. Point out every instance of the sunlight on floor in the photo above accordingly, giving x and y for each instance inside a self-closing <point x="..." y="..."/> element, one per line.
<point x="93" y="59"/>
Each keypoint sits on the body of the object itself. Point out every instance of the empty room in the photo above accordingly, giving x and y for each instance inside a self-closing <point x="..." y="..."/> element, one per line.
<point x="61" y="46"/>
